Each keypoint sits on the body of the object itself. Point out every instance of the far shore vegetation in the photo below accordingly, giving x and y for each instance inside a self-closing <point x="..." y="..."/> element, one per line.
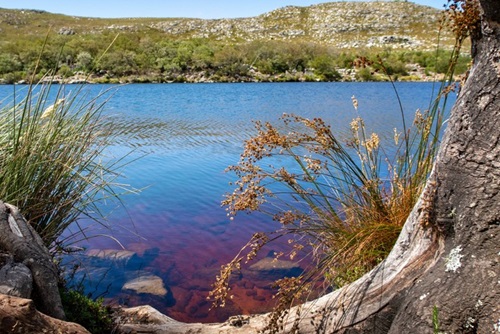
<point x="142" y="53"/>
<point x="139" y="60"/>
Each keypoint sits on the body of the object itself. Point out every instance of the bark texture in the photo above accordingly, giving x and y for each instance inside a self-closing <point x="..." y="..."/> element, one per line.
<point x="443" y="274"/>
<point x="15" y="278"/>
<point x="464" y="283"/>
<point x="18" y="238"/>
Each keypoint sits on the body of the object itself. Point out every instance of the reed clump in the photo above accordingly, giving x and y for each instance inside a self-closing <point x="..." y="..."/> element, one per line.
<point x="52" y="158"/>
<point x="341" y="202"/>
<point x="344" y="200"/>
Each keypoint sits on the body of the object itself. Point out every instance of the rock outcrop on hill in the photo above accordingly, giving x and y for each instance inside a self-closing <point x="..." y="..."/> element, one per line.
<point x="347" y="24"/>
<point x="289" y="44"/>
<point x="342" y="24"/>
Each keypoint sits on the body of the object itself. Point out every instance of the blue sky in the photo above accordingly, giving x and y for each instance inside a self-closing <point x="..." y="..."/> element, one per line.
<point x="167" y="8"/>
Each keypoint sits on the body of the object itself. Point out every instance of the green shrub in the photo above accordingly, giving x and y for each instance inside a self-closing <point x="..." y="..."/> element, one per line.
<point x="9" y="63"/>
<point x="324" y="68"/>
<point x="84" y="61"/>
<point x="91" y="314"/>
<point x="365" y="74"/>
<point x="13" y="77"/>
<point x="65" y="71"/>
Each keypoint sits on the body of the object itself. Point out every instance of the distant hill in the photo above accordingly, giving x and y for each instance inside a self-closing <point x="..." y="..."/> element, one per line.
<point x="341" y="24"/>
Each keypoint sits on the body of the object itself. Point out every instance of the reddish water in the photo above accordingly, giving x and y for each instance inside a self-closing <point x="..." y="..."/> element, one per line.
<point x="188" y="263"/>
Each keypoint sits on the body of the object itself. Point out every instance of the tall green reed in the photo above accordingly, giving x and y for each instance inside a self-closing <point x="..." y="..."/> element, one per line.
<point x="53" y="163"/>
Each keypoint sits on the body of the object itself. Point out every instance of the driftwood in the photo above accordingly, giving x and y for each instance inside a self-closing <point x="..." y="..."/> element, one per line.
<point x="18" y="238"/>
<point x="19" y="316"/>
<point x="443" y="275"/>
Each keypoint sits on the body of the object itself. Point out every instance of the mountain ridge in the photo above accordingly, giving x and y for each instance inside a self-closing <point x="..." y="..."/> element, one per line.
<point x="340" y="24"/>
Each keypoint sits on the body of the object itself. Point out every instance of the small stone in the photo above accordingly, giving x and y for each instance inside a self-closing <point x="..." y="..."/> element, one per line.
<point x="272" y="269"/>
<point x="66" y="31"/>
<point x="150" y="284"/>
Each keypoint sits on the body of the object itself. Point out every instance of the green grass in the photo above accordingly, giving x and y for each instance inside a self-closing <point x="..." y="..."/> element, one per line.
<point x="435" y="320"/>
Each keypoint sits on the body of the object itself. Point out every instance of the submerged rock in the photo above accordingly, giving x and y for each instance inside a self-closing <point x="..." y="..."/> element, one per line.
<point x="270" y="268"/>
<point x="112" y="254"/>
<point x="115" y="258"/>
<point x="147" y="283"/>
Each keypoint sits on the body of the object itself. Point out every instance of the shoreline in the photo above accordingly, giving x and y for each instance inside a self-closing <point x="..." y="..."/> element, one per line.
<point x="414" y="73"/>
<point x="202" y="79"/>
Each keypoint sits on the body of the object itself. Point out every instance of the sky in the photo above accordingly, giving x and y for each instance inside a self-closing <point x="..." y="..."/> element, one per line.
<point x="206" y="9"/>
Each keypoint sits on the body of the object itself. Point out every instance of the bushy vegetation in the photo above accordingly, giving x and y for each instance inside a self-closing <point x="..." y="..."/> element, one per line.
<point x="53" y="167"/>
<point x="342" y="202"/>
<point x="143" y="57"/>
<point x="91" y="314"/>
<point x="143" y="52"/>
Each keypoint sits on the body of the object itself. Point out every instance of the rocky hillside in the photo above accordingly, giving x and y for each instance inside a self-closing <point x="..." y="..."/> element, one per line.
<point x="343" y="24"/>
<point x="340" y="24"/>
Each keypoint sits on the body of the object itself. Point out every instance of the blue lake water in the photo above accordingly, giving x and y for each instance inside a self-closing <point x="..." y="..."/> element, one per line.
<point x="183" y="137"/>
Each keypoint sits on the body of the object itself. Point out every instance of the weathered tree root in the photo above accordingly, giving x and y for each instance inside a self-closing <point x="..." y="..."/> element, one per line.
<point x="18" y="238"/>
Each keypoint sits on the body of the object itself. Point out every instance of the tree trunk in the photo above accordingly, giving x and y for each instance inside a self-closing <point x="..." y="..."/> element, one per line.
<point x="18" y="238"/>
<point x="443" y="274"/>
<point x="464" y="283"/>
<point x="19" y="316"/>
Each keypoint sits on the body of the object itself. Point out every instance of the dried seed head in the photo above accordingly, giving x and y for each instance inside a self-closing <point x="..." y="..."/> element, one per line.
<point x="354" y="102"/>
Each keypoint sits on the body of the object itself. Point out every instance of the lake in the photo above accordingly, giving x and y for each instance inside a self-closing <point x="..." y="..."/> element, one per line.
<point x="181" y="138"/>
